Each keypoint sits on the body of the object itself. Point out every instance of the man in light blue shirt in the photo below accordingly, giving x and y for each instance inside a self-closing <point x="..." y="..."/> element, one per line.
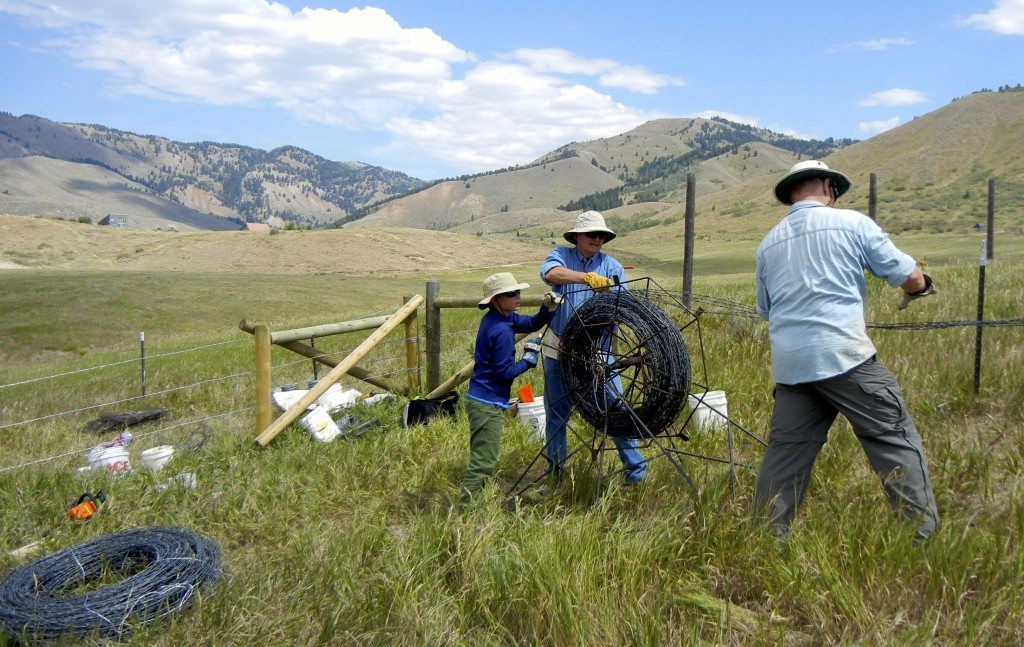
<point x="810" y="287"/>
<point x="575" y="273"/>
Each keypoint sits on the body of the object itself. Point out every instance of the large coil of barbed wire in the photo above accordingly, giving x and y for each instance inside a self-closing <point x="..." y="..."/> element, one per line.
<point x="616" y="337"/>
<point x="60" y="595"/>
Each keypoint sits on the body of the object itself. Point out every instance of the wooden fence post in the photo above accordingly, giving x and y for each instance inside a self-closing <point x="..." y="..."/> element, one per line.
<point x="433" y="334"/>
<point x="873" y="197"/>
<point x="691" y="215"/>
<point x="412" y="350"/>
<point x="263" y="379"/>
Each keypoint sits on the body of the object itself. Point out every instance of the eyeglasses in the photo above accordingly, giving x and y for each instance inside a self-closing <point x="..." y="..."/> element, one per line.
<point x="510" y="295"/>
<point x="596" y="234"/>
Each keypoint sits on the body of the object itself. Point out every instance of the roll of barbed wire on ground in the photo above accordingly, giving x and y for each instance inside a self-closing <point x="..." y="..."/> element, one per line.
<point x="57" y="595"/>
<point x="613" y="335"/>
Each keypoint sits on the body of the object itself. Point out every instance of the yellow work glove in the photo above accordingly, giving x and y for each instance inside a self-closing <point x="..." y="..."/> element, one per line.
<point x="597" y="282"/>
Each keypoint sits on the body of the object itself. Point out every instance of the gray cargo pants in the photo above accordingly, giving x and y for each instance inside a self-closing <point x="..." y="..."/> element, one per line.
<point x="870" y="399"/>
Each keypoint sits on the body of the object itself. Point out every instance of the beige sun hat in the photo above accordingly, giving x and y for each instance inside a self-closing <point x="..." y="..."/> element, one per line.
<point x="586" y="222"/>
<point x="496" y="284"/>
<point x="804" y="170"/>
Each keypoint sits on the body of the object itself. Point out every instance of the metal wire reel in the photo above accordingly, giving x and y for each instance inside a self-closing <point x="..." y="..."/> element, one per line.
<point x="625" y="365"/>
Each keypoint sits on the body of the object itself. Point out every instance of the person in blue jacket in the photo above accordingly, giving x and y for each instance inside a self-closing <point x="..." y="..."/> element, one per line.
<point x="495" y="369"/>
<point x="575" y="274"/>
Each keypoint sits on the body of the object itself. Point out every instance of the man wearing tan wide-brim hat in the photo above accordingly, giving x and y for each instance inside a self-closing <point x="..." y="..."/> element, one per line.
<point x="810" y="287"/>
<point x="575" y="274"/>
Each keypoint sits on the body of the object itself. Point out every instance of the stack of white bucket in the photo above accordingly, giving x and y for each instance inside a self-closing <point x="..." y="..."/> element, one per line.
<point x="710" y="410"/>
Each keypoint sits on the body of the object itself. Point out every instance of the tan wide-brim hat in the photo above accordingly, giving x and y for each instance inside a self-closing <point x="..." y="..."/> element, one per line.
<point x="499" y="283"/>
<point x="804" y="170"/>
<point x="588" y="221"/>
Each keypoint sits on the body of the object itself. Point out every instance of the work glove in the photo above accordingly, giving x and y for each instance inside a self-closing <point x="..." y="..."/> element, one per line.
<point x="531" y="351"/>
<point x="597" y="282"/>
<point x="551" y="301"/>
<point x="910" y="296"/>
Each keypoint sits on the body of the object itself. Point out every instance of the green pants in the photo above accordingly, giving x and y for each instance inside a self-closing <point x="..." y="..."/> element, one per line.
<point x="485" y="425"/>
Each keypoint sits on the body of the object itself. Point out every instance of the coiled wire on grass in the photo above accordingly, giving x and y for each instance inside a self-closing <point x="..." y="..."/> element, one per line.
<point x="163" y="567"/>
<point x="625" y="365"/>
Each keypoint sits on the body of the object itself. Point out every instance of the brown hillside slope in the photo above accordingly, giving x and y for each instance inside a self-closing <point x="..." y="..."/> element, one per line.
<point x="61" y="245"/>
<point x="31" y="186"/>
<point x="455" y="202"/>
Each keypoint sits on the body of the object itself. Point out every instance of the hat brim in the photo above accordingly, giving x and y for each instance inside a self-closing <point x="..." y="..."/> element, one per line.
<point x="784" y="187"/>
<point x="570" y="237"/>
<point x="487" y="299"/>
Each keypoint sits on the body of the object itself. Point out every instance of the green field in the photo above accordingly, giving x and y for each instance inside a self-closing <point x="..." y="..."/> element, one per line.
<point x="355" y="542"/>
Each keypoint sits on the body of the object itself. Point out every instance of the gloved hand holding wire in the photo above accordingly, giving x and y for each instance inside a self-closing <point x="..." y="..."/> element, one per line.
<point x="910" y="296"/>
<point x="531" y="351"/>
<point x="597" y="282"/>
<point x="551" y="301"/>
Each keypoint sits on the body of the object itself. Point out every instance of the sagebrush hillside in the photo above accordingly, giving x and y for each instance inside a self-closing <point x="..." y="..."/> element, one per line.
<point x="232" y="182"/>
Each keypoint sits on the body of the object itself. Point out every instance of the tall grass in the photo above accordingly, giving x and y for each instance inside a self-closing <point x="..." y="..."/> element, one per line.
<point x="357" y="542"/>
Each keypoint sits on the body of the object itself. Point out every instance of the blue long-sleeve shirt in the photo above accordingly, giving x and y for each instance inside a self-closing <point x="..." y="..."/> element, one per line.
<point x="495" y="354"/>
<point x="810" y="287"/>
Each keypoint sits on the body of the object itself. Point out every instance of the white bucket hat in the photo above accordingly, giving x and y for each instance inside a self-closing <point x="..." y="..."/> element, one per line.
<point x="499" y="283"/>
<point x="804" y="170"/>
<point x="588" y="221"/>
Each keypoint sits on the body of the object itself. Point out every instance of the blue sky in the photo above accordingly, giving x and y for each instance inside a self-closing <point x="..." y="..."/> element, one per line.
<point x="440" y="88"/>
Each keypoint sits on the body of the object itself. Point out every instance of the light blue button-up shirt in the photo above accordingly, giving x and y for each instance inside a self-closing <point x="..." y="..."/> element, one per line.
<point x="574" y="295"/>
<point x="811" y="287"/>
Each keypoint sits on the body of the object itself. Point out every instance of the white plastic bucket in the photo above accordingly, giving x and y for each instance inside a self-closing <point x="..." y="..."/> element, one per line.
<point x="532" y="415"/>
<point x="112" y="459"/>
<point x="157" y="457"/>
<point x="712" y="412"/>
<point x="319" y="424"/>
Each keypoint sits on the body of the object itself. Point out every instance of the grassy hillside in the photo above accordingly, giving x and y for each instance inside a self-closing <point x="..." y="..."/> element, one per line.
<point x="54" y="244"/>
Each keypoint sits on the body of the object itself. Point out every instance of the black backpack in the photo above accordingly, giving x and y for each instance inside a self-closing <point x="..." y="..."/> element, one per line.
<point x="420" y="410"/>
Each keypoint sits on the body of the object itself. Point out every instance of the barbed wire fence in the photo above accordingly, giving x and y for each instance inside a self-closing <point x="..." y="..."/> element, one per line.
<point x="387" y="361"/>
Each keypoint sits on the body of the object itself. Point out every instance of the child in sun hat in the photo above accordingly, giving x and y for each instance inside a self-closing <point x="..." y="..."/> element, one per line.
<point x="494" y="371"/>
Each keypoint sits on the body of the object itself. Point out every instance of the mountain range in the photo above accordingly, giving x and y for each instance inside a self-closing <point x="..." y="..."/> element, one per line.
<point x="932" y="173"/>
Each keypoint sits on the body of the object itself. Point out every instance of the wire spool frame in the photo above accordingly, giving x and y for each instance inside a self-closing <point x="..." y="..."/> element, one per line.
<point x="625" y="365"/>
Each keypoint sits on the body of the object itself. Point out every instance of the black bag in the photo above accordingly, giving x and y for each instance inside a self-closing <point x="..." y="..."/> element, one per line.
<point x="421" y="410"/>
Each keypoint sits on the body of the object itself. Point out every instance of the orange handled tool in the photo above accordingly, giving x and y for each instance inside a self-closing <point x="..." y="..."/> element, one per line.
<point x="86" y="506"/>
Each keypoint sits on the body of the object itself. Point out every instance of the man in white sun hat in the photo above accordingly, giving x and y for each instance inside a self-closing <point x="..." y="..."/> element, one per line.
<point x="565" y="270"/>
<point x="494" y="371"/>
<point x="810" y="287"/>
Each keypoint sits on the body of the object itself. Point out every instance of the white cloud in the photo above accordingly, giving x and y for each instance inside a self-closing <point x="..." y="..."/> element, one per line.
<point x="502" y="111"/>
<point x="878" y="126"/>
<point x="893" y="97"/>
<point x="1006" y="17"/>
<point x="357" y="69"/>
<point x="609" y="73"/>
<point x="875" y="45"/>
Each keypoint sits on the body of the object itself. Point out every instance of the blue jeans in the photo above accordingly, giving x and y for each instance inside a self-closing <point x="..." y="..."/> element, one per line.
<point x="558" y="408"/>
